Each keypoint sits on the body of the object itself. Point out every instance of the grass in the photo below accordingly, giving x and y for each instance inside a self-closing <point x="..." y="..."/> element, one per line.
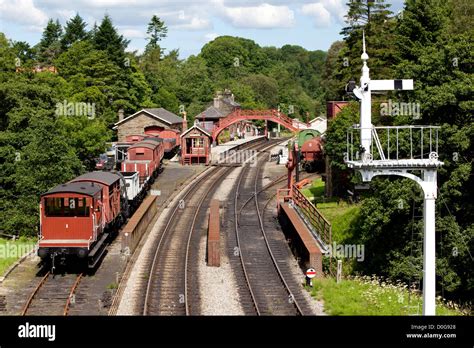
<point x="112" y="286"/>
<point x="315" y="190"/>
<point x="341" y="215"/>
<point x="12" y="250"/>
<point x="371" y="296"/>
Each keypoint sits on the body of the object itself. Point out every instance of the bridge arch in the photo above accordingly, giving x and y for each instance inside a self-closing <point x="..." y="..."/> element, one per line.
<point x="268" y="115"/>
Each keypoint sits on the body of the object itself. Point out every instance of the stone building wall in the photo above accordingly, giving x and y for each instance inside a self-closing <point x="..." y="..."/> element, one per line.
<point x="137" y="125"/>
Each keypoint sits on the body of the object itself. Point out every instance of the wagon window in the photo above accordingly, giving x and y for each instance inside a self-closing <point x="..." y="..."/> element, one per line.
<point x="61" y="207"/>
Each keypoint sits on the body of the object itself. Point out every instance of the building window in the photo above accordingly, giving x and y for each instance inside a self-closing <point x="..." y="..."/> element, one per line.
<point x="198" y="142"/>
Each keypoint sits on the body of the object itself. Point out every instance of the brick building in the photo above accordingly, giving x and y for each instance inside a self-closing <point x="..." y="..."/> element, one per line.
<point x="147" y="120"/>
<point x="222" y="106"/>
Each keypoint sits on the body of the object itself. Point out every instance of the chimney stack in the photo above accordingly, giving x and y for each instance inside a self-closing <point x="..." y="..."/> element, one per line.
<point x="120" y="115"/>
<point x="216" y="102"/>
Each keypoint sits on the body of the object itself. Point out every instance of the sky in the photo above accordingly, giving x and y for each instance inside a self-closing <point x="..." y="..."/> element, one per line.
<point x="312" y="24"/>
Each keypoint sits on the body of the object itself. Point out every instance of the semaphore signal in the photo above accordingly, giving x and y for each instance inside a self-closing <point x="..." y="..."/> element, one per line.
<point x="393" y="159"/>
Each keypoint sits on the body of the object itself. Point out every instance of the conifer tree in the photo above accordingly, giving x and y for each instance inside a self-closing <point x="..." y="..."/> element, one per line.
<point x="106" y="38"/>
<point x="75" y="30"/>
<point x="50" y="47"/>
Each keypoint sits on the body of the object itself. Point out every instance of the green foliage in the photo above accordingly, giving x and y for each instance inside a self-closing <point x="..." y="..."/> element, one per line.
<point x="365" y="296"/>
<point x="157" y="31"/>
<point x="426" y="43"/>
<point x="50" y="46"/>
<point x="36" y="152"/>
<point x="74" y="31"/>
<point x="106" y="38"/>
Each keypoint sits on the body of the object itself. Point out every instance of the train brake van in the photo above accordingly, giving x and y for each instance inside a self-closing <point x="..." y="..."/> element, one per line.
<point x="71" y="221"/>
<point x="77" y="217"/>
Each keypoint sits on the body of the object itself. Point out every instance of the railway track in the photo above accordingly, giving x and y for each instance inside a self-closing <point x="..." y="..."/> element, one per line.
<point x="53" y="295"/>
<point x="270" y="288"/>
<point x="171" y="288"/>
<point x="166" y="289"/>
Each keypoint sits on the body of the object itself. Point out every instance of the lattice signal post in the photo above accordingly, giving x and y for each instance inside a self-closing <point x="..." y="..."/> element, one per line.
<point x="407" y="151"/>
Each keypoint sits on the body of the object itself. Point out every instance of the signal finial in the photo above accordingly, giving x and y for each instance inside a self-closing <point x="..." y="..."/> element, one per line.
<point x="364" y="55"/>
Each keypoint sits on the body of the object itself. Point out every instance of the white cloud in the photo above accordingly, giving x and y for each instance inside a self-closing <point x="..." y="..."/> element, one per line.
<point x="191" y="23"/>
<point x="131" y="33"/>
<point x="139" y="50"/>
<point x="319" y="12"/>
<point x="65" y="14"/>
<point x="337" y="8"/>
<point x="264" y="16"/>
<point x="325" y="11"/>
<point x="211" y="36"/>
<point x="116" y="3"/>
<point x="22" y="11"/>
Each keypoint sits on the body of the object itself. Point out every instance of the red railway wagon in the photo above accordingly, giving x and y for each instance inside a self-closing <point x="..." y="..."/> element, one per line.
<point x="312" y="154"/>
<point x="111" y="192"/>
<point x="311" y="149"/>
<point x="134" y="138"/>
<point x="145" y="158"/>
<point x="71" y="220"/>
<point x="159" y="151"/>
<point x="75" y="216"/>
<point x="170" y="139"/>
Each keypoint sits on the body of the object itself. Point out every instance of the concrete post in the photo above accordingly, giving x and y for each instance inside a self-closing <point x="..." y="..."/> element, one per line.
<point x="429" y="258"/>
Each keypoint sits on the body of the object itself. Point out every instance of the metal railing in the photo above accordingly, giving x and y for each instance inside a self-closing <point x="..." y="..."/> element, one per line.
<point x="394" y="143"/>
<point x="312" y="214"/>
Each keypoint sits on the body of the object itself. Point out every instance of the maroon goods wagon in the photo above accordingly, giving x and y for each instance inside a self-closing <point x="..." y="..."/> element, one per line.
<point x="77" y="217"/>
<point x="72" y="221"/>
<point x="110" y="182"/>
<point x="312" y="154"/>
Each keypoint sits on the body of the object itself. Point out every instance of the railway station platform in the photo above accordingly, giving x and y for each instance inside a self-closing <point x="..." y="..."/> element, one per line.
<point x="218" y="150"/>
<point x="301" y="241"/>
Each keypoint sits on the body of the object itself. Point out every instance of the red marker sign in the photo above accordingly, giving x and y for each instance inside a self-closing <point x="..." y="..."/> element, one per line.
<point x="311" y="273"/>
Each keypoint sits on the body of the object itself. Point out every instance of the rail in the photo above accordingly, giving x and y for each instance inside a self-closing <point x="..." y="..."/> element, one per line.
<point x="267" y="243"/>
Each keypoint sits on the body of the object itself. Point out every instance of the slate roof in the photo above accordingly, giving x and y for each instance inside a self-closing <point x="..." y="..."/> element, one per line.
<point x="158" y="113"/>
<point x="84" y="188"/>
<point x="197" y="127"/>
<point x="104" y="177"/>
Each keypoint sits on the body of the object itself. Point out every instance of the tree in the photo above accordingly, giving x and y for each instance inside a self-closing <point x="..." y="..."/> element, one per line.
<point x="374" y="17"/>
<point x="332" y="86"/>
<point x="75" y="30"/>
<point x="50" y="47"/>
<point x="106" y="38"/>
<point x="265" y="89"/>
<point x="36" y="153"/>
<point x="194" y="83"/>
<point x="157" y="31"/>
<point x="7" y="57"/>
<point x="23" y="52"/>
<point x="429" y="47"/>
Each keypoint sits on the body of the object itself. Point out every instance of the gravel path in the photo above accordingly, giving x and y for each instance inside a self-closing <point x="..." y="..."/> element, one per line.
<point x="219" y="294"/>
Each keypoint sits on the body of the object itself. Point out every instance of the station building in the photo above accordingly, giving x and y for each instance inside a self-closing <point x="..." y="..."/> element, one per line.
<point x="147" y="121"/>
